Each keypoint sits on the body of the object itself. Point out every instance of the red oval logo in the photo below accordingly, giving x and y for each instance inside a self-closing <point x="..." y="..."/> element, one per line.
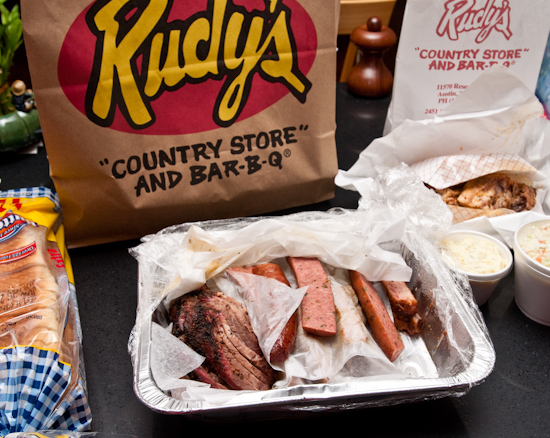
<point x="164" y="67"/>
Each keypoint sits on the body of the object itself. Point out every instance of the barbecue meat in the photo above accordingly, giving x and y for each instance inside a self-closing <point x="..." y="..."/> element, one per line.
<point x="403" y="305"/>
<point x="218" y="327"/>
<point x="203" y="374"/>
<point x="449" y="194"/>
<point x="497" y="191"/>
<point x="491" y="192"/>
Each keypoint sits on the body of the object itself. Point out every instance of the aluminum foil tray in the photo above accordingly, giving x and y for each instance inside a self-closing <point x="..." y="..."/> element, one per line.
<point x="455" y="337"/>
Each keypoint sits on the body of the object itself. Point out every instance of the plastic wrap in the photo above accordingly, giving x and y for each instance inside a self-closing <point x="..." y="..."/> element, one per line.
<point x="42" y="381"/>
<point x="389" y="240"/>
<point x="495" y="125"/>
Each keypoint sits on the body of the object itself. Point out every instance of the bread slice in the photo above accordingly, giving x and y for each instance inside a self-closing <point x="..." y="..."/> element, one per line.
<point x="31" y="309"/>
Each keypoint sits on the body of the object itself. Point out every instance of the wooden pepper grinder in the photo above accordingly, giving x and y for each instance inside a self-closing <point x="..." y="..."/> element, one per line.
<point x="370" y="77"/>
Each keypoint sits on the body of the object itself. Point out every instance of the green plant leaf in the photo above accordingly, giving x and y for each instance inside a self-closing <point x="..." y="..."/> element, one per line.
<point x="11" y="37"/>
<point x="14" y="14"/>
<point x="5" y="14"/>
<point x="14" y="34"/>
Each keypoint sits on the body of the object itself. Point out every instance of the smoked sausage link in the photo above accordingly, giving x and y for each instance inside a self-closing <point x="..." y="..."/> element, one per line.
<point x="287" y="338"/>
<point x="383" y="328"/>
<point x="285" y="343"/>
<point x="318" y="309"/>
<point x="271" y="270"/>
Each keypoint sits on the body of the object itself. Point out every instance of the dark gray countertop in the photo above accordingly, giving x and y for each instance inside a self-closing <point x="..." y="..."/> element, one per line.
<point x="512" y="402"/>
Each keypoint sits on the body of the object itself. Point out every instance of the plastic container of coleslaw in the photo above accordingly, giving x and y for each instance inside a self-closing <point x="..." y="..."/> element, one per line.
<point x="532" y="270"/>
<point x="485" y="259"/>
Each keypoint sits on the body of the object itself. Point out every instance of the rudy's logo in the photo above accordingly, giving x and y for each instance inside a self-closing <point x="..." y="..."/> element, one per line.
<point x="475" y="16"/>
<point x="143" y="57"/>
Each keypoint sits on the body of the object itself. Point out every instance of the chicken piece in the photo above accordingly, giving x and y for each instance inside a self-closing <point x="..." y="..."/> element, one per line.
<point x="526" y="198"/>
<point x="496" y="191"/>
<point x="449" y="194"/>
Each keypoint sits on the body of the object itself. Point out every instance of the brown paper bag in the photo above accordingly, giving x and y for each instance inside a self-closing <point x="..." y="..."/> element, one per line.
<point x="157" y="112"/>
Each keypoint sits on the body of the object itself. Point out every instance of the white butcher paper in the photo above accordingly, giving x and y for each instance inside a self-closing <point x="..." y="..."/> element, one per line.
<point x="340" y="239"/>
<point x="171" y="359"/>
<point x="496" y="115"/>
<point x="269" y="303"/>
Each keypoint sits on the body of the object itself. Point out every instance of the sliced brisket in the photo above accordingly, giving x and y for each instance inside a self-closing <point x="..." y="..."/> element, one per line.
<point x="218" y="327"/>
<point x="203" y="374"/>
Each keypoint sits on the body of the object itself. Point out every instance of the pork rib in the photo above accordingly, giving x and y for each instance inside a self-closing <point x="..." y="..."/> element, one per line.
<point x="403" y="305"/>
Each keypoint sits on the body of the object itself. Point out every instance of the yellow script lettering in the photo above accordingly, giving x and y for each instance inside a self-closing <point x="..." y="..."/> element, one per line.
<point x="116" y="59"/>
<point x="140" y="56"/>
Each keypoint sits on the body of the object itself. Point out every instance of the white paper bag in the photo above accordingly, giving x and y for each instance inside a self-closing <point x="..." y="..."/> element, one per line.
<point x="445" y="45"/>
